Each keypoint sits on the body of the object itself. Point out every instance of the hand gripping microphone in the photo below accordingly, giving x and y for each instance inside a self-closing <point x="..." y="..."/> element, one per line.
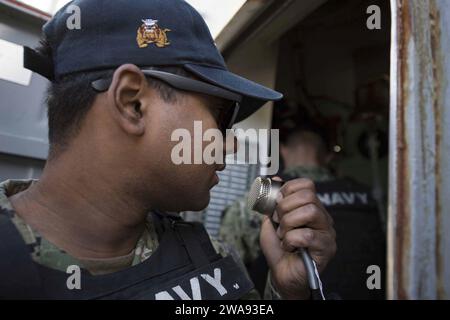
<point x="262" y="198"/>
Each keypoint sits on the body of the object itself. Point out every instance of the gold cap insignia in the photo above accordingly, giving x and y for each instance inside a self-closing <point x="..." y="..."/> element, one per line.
<point x="150" y="32"/>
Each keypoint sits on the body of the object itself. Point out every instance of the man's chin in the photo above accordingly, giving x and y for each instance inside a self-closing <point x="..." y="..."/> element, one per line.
<point x="200" y="204"/>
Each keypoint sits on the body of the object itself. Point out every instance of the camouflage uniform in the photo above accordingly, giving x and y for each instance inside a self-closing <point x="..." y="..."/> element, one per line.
<point x="47" y="254"/>
<point x="240" y="225"/>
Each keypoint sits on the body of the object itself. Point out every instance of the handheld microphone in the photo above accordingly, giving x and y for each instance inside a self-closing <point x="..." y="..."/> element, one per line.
<point x="262" y="198"/>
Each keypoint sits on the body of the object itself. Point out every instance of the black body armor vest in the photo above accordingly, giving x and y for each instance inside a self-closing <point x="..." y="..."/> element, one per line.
<point x="184" y="266"/>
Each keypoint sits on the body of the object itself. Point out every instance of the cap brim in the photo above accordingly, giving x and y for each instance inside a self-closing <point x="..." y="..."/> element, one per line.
<point x="254" y="95"/>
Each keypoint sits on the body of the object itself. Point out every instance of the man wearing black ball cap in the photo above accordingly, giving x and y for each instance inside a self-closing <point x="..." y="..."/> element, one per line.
<point x="99" y="224"/>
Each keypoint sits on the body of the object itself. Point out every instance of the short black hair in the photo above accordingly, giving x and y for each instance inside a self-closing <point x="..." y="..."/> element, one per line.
<point x="70" y="98"/>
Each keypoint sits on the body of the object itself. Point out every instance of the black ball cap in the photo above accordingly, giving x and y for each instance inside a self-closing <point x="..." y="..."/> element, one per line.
<point x="146" y="33"/>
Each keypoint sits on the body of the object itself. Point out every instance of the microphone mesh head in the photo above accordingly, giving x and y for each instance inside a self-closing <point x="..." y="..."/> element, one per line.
<point x="258" y="194"/>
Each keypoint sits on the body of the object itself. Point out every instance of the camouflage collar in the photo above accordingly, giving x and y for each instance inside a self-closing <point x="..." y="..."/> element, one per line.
<point x="47" y="254"/>
<point x="11" y="187"/>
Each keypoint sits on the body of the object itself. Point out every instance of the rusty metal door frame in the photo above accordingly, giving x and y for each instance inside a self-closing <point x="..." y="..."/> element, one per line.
<point x="419" y="168"/>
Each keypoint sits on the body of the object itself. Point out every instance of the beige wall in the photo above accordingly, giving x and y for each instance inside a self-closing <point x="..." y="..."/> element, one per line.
<point x="258" y="63"/>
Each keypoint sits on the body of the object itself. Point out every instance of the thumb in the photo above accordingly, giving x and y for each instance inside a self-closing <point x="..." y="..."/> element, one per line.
<point x="270" y="243"/>
<point x="275" y="216"/>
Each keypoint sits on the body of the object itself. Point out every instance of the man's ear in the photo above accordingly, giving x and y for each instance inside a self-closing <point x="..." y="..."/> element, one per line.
<point x="126" y="97"/>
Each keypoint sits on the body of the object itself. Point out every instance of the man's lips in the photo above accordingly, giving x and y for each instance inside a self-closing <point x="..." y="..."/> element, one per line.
<point x="215" y="179"/>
